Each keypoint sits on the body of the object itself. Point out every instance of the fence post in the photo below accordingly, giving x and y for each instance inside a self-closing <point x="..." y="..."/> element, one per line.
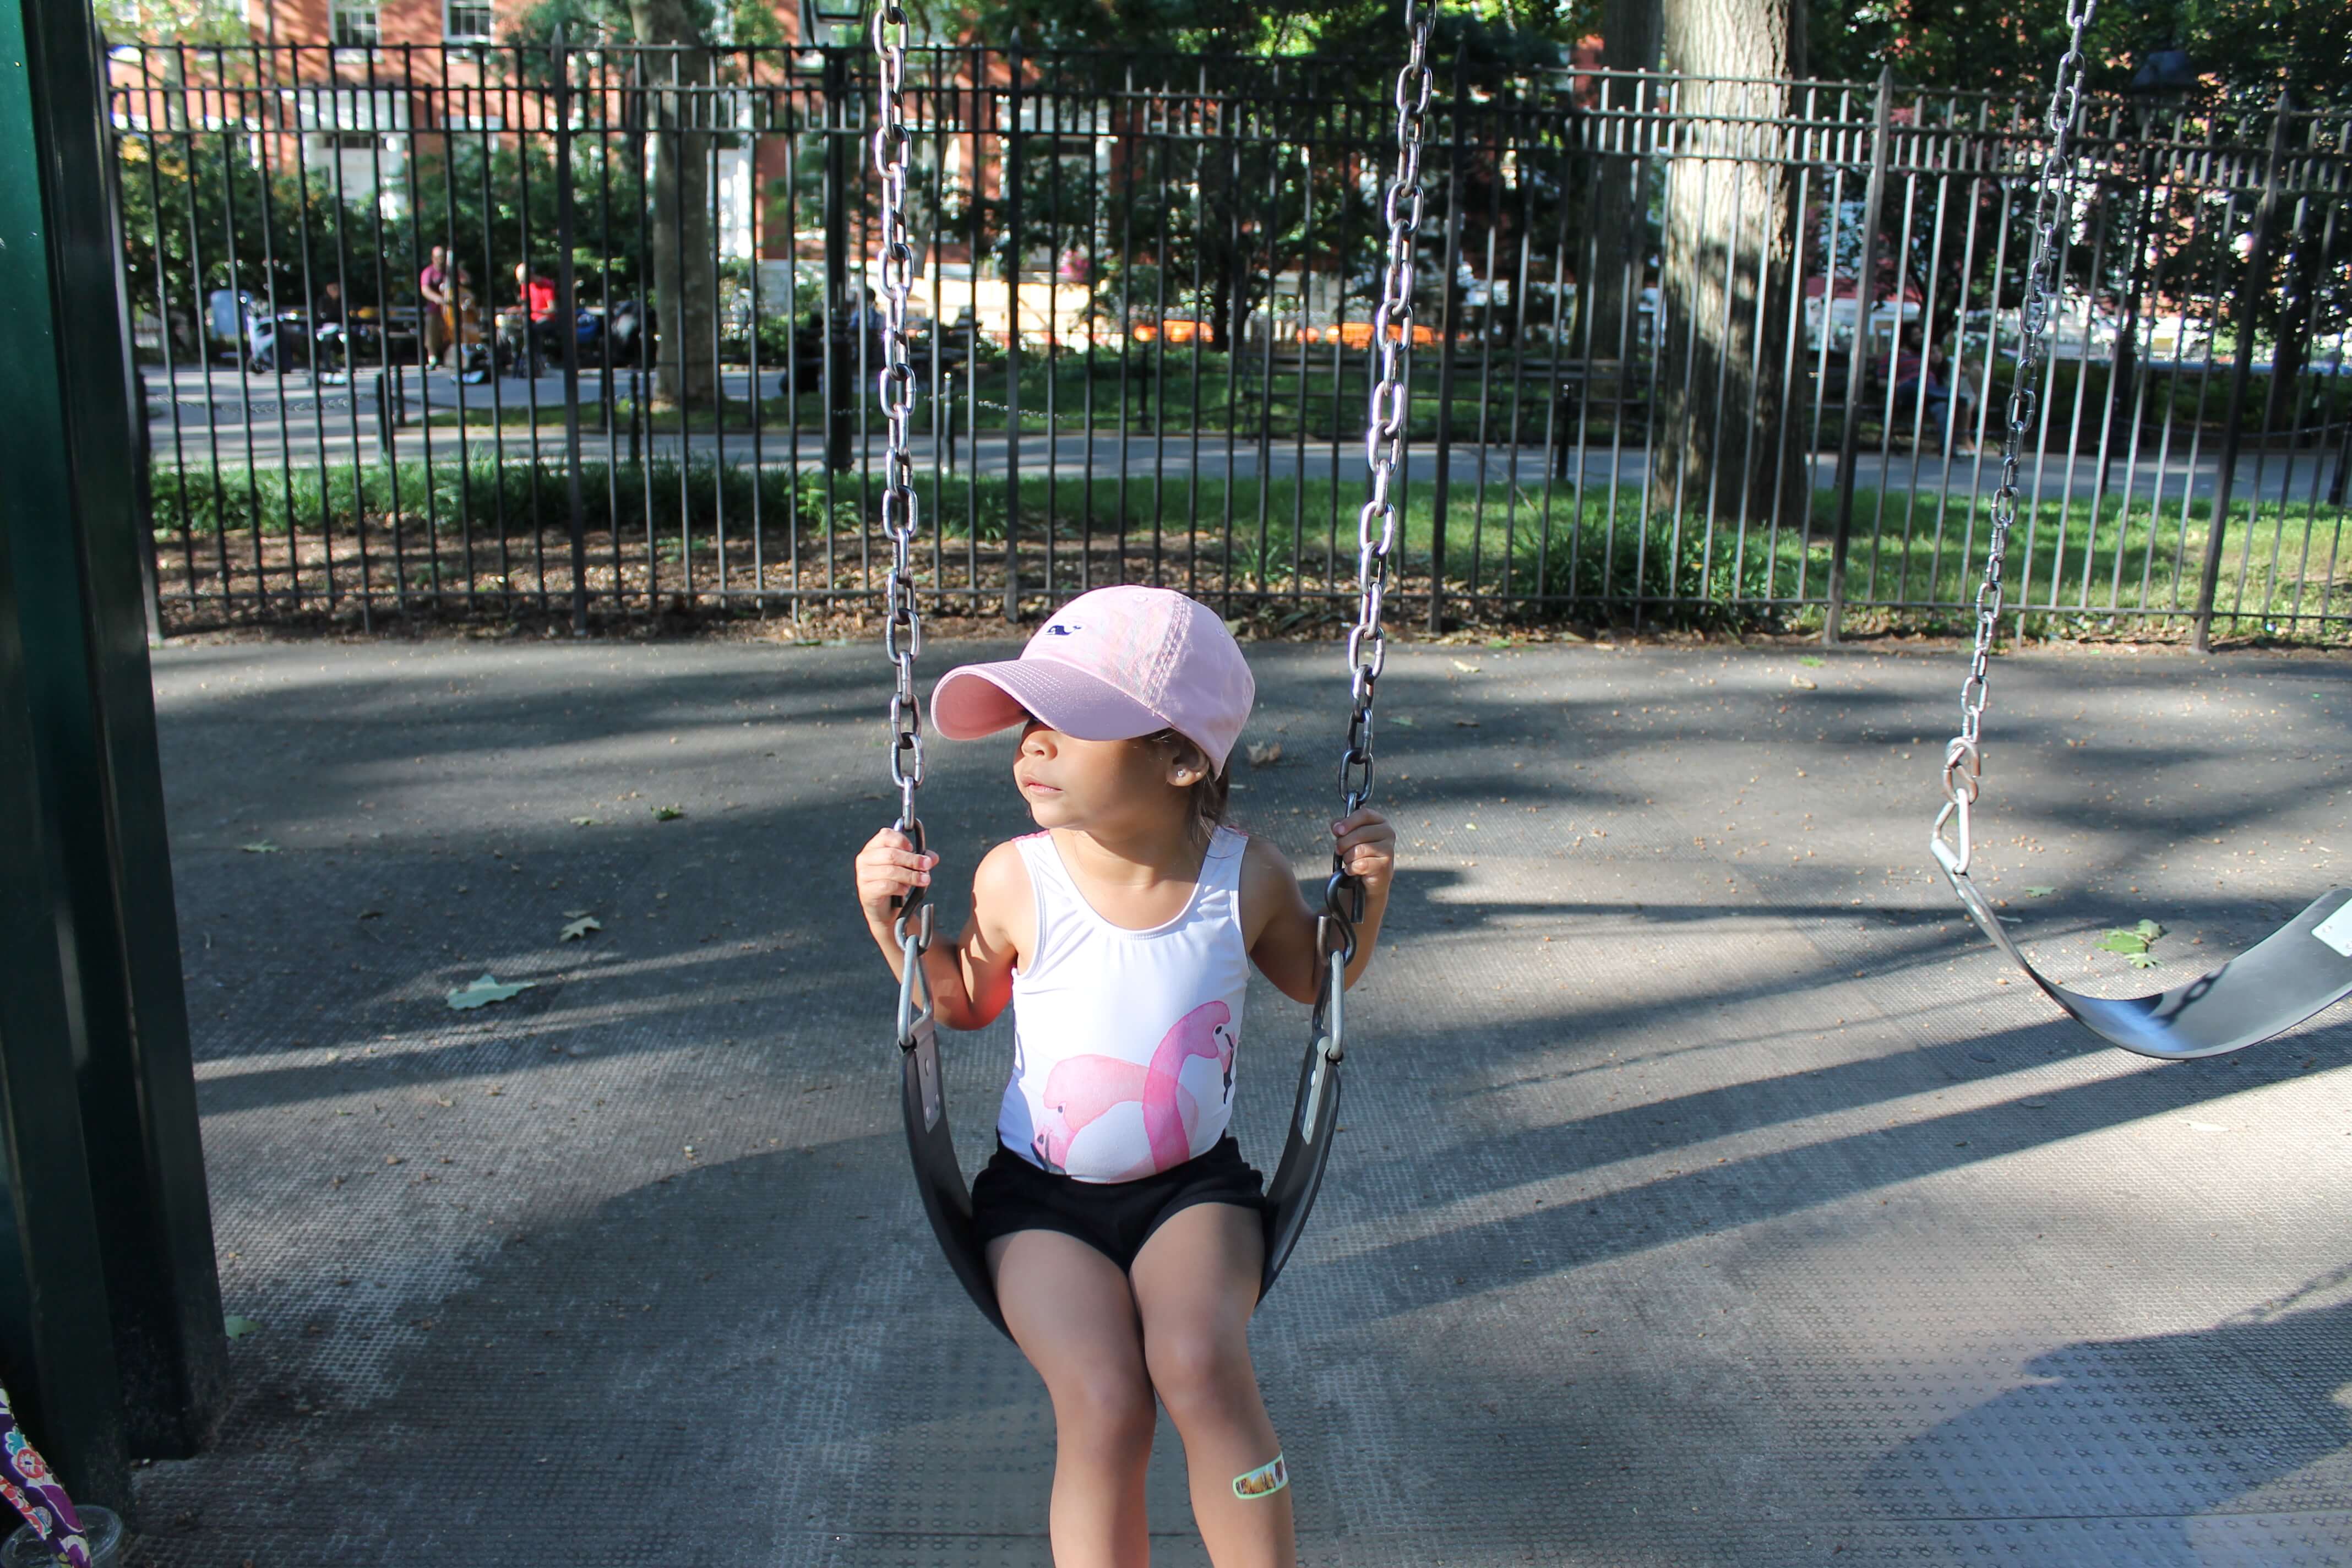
<point x="1448" y="313"/>
<point x="1013" y="340"/>
<point x="143" y="491"/>
<point x="567" y="316"/>
<point x="2242" y="372"/>
<point x="1858" y="354"/>
<point x="384" y="415"/>
<point x="837" y="260"/>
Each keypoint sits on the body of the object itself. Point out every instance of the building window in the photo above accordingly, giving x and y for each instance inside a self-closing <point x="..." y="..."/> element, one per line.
<point x="355" y="28"/>
<point x="464" y="23"/>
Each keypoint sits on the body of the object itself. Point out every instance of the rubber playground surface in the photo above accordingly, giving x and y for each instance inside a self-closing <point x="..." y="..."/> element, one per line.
<point x="1708" y="1191"/>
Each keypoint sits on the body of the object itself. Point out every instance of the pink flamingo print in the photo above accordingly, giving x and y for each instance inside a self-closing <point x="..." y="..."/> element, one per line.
<point x="1082" y="1089"/>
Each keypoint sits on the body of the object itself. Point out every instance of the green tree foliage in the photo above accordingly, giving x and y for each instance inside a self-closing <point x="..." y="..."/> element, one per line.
<point x="2238" y="48"/>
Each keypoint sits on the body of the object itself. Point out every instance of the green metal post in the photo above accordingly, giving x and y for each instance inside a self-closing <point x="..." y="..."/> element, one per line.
<point x="70" y="523"/>
<point x="54" y="1355"/>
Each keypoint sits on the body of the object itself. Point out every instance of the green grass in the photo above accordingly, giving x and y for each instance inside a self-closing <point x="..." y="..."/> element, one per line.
<point x="1235" y="394"/>
<point x="1601" y="548"/>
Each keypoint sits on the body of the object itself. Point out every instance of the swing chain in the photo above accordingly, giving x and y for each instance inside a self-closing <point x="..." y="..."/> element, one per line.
<point x="1384" y="437"/>
<point x="1963" y="758"/>
<point x="902" y="623"/>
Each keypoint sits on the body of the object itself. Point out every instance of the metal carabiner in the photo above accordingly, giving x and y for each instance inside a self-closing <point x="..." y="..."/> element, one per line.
<point x="1955" y="856"/>
<point x="1335" y="1034"/>
<point x="912" y="976"/>
<point x="1963" y="779"/>
<point x="1330" y="1047"/>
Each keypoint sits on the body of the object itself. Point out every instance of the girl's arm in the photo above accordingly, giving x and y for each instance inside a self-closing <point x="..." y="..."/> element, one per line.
<point x="1279" y="922"/>
<point x="971" y="977"/>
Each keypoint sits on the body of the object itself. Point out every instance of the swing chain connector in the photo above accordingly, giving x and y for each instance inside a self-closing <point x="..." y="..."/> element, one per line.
<point x="913" y="981"/>
<point x="1963" y="778"/>
<point x="1331" y="998"/>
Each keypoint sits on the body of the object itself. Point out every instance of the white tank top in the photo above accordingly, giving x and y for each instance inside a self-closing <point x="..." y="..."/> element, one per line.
<point x="1123" y="1040"/>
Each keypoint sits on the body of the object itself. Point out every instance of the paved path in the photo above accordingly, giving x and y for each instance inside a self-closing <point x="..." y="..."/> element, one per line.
<point x="239" y="419"/>
<point x="1707" y="1195"/>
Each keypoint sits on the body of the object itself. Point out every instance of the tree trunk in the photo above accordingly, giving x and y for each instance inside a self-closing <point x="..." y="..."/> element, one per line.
<point x="1620" y="210"/>
<point x="685" y="373"/>
<point x="1723" y="444"/>
<point x="2290" y="344"/>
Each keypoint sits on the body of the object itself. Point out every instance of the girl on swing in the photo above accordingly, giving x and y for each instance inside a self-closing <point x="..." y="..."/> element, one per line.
<point x="1123" y="1229"/>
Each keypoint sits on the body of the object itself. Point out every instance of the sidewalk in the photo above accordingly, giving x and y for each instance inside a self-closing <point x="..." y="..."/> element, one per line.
<point x="1707" y="1197"/>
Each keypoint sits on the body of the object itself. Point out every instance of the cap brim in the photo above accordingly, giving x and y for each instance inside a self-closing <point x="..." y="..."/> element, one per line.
<point x="982" y="698"/>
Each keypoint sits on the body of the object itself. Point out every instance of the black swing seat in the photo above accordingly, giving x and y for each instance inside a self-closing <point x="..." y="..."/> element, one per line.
<point x="2304" y="966"/>
<point x="947" y="1200"/>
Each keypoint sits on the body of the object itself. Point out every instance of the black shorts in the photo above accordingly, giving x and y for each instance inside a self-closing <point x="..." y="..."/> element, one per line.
<point x="1115" y="1218"/>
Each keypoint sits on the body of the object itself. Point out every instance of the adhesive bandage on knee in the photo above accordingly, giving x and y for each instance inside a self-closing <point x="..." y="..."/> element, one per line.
<point x="1264" y="1481"/>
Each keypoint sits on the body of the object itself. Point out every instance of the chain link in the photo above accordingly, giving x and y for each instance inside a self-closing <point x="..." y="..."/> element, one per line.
<point x="1963" y="759"/>
<point x="1384" y="436"/>
<point x="902" y="624"/>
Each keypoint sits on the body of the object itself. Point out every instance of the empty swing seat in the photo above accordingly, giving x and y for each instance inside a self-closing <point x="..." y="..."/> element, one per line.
<point x="2298" y="970"/>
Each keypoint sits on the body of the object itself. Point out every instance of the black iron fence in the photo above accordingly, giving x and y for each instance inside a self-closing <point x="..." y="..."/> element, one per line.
<point x="1686" y="349"/>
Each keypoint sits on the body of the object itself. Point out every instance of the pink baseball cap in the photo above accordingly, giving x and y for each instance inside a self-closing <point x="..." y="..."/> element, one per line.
<point x="1110" y="666"/>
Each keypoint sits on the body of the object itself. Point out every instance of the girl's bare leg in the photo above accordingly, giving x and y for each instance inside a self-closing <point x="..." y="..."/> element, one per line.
<point x="1073" y="1315"/>
<point x="1196" y="1283"/>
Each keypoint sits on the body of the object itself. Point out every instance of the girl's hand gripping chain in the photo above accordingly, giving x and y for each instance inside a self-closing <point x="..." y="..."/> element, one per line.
<point x="1367" y="850"/>
<point x="1366" y="846"/>
<point x="889" y="871"/>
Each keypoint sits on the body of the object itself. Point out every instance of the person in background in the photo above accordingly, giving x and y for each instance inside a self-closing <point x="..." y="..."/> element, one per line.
<point x="225" y="315"/>
<point x="327" y="331"/>
<point x="526" y="332"/>
<point x="534" y="293"/>
<point x="433" y="289"/>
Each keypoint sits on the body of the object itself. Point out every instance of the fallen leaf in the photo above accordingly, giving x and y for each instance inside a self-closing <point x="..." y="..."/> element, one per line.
<point x="370" y="914"/>
<point x="1264" y="754"/>
<point x="2042" y="892"/>
<point x="581" y="927"/>
<point x="1402" y="721"/>
<point x="2133" y="944"/>
<point x="1465" y="669"/>
<point x="1801" y="684"/>
<point x="488" y="989"/>
<point x="666" y="812"/>
<point x="1465" y="723"/>
<point x="585" y="821"/>
<point x="236" y="1328"/>
<point x="1812" y="662"/>
<point x="259" y="847"/>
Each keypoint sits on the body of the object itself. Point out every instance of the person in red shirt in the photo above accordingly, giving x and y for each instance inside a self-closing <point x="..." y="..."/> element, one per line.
<point x="532" y="322"/>
<point x="534" y="293"/>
